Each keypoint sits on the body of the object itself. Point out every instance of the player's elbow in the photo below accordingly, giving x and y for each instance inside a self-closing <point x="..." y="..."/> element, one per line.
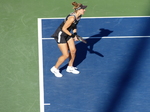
<point x="64" y="29"/>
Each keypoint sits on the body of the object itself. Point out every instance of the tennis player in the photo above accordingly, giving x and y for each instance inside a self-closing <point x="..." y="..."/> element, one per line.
<point x="65" y="39"/>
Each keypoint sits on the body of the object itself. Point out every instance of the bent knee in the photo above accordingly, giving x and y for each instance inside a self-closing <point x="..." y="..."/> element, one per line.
<point x="66" y="56"/>
<point x="73" y="51"/>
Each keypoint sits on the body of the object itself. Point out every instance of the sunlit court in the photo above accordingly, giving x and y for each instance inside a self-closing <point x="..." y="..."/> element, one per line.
<point x="42" y="68"/>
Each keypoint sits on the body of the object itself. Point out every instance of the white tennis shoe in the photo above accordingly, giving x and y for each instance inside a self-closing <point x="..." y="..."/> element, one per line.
<point x="56" y="72"/>
<point x="73" y="70"/>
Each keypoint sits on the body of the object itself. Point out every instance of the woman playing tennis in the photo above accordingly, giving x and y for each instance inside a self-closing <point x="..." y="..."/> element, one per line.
<point x="65" y="39"/>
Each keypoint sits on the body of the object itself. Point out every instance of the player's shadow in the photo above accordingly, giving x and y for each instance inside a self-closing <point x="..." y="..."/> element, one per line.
<point x="95" y="38"/>
<point x="82" y="48"/>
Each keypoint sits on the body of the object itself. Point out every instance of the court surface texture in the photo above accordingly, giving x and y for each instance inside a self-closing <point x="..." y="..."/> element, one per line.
<point x="114" y="66"/>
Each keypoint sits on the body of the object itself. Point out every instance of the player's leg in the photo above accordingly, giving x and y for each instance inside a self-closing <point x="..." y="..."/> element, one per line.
<point x="64" y="49"/>
<point x="72" y="49"/>
<point x="72" y="52"/>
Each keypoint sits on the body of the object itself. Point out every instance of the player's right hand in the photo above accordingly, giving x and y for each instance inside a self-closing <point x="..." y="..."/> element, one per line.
<point x="76" y="38"/>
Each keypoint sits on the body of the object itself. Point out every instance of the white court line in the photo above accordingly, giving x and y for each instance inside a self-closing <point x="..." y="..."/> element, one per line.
<point x="104" y="17"/>
<point x="41" y="84"/>
<point x="107" y="37"/>
<point x="47" y="104"/>
<point x="127" y="37"/>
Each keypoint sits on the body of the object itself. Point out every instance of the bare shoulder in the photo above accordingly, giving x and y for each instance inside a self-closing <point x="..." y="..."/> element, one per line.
<point x="71" y="18"/>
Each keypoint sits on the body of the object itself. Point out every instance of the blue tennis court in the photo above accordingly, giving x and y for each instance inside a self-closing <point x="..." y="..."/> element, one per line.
<point x="114" y="66"/>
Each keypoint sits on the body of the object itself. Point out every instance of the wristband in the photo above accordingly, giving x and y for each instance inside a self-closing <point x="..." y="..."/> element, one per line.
<point x="73" y="35"/>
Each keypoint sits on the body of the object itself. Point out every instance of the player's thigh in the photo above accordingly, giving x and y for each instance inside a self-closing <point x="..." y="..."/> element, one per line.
<point x="71" y="45"/>
<point x="64" y="49"/>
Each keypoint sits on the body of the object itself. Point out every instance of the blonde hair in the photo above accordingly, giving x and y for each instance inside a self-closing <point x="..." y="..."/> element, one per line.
<point x="76" y="5"/>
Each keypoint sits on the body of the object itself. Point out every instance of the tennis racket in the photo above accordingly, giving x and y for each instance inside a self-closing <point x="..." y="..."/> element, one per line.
<point x="81" y="39"/>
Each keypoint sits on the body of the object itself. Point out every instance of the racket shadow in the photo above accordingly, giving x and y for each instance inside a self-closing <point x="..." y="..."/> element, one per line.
<point x="83" y="49"/>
